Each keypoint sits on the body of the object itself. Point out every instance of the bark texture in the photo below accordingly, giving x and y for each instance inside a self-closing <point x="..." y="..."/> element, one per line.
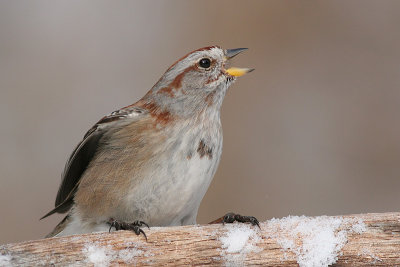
<point x="352" y="240"/>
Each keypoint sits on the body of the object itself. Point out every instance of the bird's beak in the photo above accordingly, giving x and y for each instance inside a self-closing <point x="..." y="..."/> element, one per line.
<point x="230" y="53"/>
<point x="237" y="72"/>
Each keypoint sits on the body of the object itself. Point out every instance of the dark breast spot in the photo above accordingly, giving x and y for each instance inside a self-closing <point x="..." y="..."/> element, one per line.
<point x="204" y="150"/>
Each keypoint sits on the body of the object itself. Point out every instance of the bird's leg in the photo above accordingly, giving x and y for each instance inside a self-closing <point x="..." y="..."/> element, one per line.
<point x="233" y="217"/>
<point x="135" y="226"/>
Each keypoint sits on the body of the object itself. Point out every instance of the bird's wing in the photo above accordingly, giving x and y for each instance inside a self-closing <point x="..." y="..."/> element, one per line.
<point x="85" y="152"/>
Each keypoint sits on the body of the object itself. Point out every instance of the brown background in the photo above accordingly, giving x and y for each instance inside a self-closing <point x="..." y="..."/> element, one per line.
<point x="314" y="130"/>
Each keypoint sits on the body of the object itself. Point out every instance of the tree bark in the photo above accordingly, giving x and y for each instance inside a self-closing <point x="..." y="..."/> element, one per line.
<point x="352" y="240"/>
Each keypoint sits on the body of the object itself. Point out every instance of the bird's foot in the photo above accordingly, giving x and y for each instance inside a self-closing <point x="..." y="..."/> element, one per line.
<point x="233" y="217"/>
<point x="135" y="226"/>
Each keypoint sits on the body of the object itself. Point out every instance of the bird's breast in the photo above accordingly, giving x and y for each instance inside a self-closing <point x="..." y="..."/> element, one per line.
<point x="178" y="174"/>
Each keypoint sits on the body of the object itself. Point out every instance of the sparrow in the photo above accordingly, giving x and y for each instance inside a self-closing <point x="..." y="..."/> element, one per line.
<point x="151" y="163"/>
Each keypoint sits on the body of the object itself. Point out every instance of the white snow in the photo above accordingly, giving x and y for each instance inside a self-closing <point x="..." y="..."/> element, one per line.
<point x="97" y="255"/>
<point x="315" y="241"/>
<point x="5" y="260"/>
<point x="100" y="255"/>
<point x="238" y="241"/>
<point x="359" y="227"/>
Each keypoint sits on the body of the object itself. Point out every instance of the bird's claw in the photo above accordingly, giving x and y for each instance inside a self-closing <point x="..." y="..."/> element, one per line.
<point x="135" y="226"/>
<point x="233" y="217"/>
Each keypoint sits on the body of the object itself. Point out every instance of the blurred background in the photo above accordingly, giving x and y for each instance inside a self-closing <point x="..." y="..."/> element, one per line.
<point x="314" y="130"/>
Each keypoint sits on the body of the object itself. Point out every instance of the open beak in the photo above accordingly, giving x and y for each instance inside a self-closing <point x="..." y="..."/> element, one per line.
<point x="237" y="72"/>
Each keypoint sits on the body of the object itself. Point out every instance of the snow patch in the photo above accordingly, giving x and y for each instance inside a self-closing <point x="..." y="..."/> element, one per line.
<point x="101" y="256"/>
<point x="238" y="241"/>
<point x="315" y="241"/>
<point x="97" y="255"/>
<point x="359" y="227"/>
<point x="5" y="260"/>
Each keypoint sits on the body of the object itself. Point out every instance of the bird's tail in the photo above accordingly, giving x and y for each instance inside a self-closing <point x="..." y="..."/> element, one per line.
<point x="59" y="227"/>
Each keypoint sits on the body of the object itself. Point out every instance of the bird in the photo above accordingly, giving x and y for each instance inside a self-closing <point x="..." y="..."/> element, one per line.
<point x="151" y="163"/>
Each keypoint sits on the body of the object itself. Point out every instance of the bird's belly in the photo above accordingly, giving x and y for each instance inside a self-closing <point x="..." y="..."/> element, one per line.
<point x="172" y="191"/>
<point x="190" y="188"/>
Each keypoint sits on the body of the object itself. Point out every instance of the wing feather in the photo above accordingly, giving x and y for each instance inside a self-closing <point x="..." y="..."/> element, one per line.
<point x="83" y="154"/>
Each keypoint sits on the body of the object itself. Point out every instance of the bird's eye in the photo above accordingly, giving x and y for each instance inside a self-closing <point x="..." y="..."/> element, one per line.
<point x="205" y="63"/>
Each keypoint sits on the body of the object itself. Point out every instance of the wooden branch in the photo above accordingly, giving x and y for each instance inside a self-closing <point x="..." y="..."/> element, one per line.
<point x="354" y="240"/>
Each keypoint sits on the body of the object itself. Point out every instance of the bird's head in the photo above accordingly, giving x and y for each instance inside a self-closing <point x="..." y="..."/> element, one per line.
<point x="196" y="81"/>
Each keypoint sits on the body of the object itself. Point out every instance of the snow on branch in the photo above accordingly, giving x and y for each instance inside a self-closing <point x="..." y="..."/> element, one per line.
<point x="354" y="240"/>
